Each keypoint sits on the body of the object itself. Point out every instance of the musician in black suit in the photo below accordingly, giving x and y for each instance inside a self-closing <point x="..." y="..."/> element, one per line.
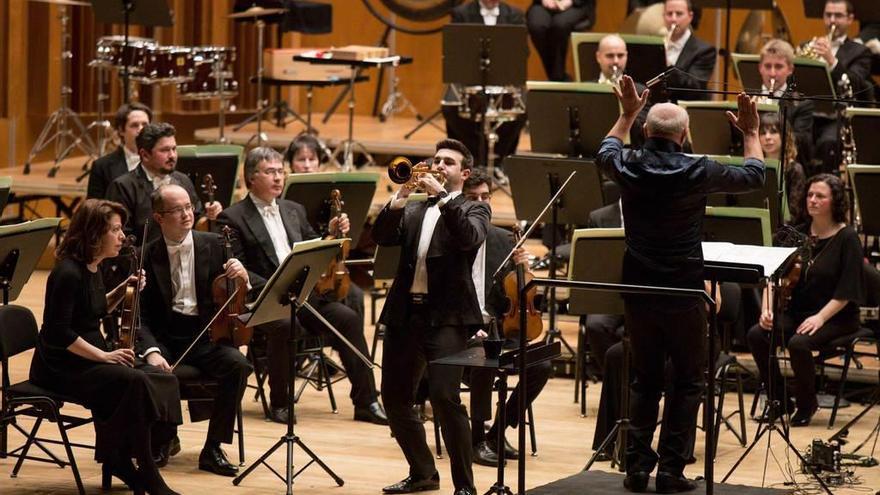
<point x="129" y="120"/>
<point x="431" y="310"/>
<point x="177" y="304"/>
<point x="494" y="304"/>
<point x="551" y="23"/>
<point x="469" y="131"/>
<point x="265" y="226"/>
<point x="693" y="58"/>
<point x="157" y="148"/>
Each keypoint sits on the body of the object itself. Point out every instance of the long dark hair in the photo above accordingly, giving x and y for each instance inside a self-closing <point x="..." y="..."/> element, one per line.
<point x="839" y="201"/>
<point x="89" y="223"/>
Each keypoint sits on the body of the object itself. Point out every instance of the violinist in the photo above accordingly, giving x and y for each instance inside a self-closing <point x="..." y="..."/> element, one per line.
<point x="493" y="301"/>
<point x="177" y="305"/>
<point x="134" y="404"/>
<point x="265" y="226"/>
<point x="824" y="302"/>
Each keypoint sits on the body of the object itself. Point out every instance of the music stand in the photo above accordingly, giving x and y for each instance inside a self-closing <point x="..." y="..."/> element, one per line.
<point x="812" y="76"/>
<point x="646" y="56"/>
<point x="148" y="13"/>
<point x="5" y="186"/>
<point x="865" y="122"/>
<point x="766" y="198"/>
<point x="21" y="246"/>
<point x="313" y="190"/>
<point x="865" y="183"/>
<point x="745" y="226"/>
<point x="711" y="133"/>
<point x="555" y="113"/>
<point x="223" y="162"/>
<point x="285" y="292"/>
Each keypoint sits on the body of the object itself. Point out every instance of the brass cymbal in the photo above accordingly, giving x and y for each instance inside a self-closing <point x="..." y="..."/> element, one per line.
<point x="71" y="3"/>
<point x="254" y="12"/>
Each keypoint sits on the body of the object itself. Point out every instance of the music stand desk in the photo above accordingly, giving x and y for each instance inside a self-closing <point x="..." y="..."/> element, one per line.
<point x="21" y="246"/>
<point x="550" y="116"/>
<point x="222" y="161"/>
<point x="5" y="186"/>
<point x="711" y="133"/>
<point x="646" y="55"/>
<point x="596" y="256"/>
<point x="812" y="77"/>
<point x="865" y="122"/>
<point x="865" y="183"/>
<point x="529" y="183"/>
<point x="506" y="47"/>
<point x="767" y="197"/>
<point x="737" y="225"/>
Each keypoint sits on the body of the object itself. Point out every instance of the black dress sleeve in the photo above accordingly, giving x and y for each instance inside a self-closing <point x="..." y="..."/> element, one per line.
<point x="64" y="292"/>
<point x="850" y="285"/>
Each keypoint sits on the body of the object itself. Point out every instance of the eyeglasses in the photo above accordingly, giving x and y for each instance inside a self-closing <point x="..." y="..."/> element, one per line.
<point x="178" y="210"/>
<point x="274" y="171"/>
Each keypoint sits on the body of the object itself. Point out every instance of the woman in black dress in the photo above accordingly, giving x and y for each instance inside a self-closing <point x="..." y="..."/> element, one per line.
<point x="133" y="404"/>
<point x="824" y="303"/>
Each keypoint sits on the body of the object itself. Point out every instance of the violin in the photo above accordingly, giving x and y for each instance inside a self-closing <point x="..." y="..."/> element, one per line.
<point x="131" y="301"/>
<point x="209" y="188"/>
<point x="226" y="327"/>
<point x="802" y="256"/>
<point x="513" y="283"/>
<point x="335" y="281"/>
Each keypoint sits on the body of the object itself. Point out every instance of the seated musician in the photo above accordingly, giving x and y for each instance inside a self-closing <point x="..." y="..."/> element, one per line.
<point x="134" y="404"/>
<point x="843" y="56"/>
<point x="693" y="57"/>
<point x="771" y="143"/>
<point x="130" y="119"/>
<point x="499" y="242"/>
<point x="265" y="227"/>
<point x="612" y="57"/>
<point x="824" y="304"/>
<point x="157" y="148"/>
<point x="550" y="24"/>
<point x="468" y="130"/>
<point x="177" y="304"/>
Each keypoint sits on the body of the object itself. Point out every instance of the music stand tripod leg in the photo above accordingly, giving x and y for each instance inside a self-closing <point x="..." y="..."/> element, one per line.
<point x="426" y="121"/>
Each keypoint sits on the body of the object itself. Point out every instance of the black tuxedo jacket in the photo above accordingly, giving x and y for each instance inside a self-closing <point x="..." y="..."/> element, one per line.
<point x="251" y="242"/>
<point x="800" y="118"/>
<point x="133" y="190"/>
<point x="606" y="217"/>
<point x="695" y="63"/>
<point x="104" y="171"/>
<point x="854" y="60"/>
<point x="457" y="236"/>
<point x="470" y="13"/>
<point x="156" y="298"/>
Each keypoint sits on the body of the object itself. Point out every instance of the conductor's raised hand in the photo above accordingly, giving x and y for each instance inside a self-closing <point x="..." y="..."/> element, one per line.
<point x="746" y="118"/>
<point x="630" y="100"/>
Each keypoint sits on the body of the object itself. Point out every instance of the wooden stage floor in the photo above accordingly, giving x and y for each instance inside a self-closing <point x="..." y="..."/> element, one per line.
<point x="367" y="458"/>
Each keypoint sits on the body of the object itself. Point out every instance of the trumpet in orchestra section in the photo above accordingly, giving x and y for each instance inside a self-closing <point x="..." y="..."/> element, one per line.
<point x="402" y="171"/>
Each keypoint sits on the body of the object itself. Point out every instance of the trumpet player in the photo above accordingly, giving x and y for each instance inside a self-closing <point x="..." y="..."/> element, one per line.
<point x="431" y="310"/>
<point x="612" y="56"/>
<point x="693" y="57"/>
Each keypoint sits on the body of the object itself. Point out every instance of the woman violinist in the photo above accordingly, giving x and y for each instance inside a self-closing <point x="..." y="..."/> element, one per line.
<point x="133" y="404"/>
<point x="824" y="302"/>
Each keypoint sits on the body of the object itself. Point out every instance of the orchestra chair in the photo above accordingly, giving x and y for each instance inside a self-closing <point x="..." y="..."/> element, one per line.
<point x="19" y="334"/>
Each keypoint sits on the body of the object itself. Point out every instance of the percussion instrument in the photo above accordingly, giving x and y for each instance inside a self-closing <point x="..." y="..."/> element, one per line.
<point x="110" y="51"/>
<point x="211" y="64"/>
<point x="255" y="12"/>
<point x="505" y="103"/>
<point x="168" y="64"/>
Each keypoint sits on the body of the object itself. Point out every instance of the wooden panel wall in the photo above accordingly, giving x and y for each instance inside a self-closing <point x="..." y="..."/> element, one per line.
<point x="30" y="72"/>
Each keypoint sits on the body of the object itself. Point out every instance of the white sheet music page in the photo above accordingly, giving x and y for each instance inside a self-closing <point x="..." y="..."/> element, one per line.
<point x="770" y="258"/>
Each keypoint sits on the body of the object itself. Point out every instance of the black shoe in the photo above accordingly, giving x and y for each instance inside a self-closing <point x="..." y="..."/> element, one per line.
<point x="125" y="472"/>
<point x="804" y="415"/>
<point x="410" y="485"/>
<point x="484" y="455"/>
<point x="603" y="457"/>
<point x="465" y="491"/>
<point x="636" y="482"/>
<point x="166" y="451"/>
<point x="509" y="451"/>
<point x="374" y="413"/>
<point x="670" y="483"/>
<point x="153" y="482"/>
<point x="280" y="415"/>
<point x="214" y="460"/>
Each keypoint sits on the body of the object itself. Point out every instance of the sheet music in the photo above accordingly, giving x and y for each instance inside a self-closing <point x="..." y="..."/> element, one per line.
<point x="770" y="258"/>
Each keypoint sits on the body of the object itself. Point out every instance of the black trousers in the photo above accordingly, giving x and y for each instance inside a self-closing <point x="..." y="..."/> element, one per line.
<point x="800" y="349"/>
<point x="655" y="337"/>
<point x="603" y="331"/>
<point x="409" y="347"/>
<point x="348" y="322"/>
<point x="470" y="133"/>
<point x="225" y="364"/>
<point x="550" y="32"/>
<point x="828" y="149"/>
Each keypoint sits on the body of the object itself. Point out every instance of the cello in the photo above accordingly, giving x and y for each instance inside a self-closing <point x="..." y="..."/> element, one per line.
<point x="335" y="281"/>
<point x="513" y="283"/>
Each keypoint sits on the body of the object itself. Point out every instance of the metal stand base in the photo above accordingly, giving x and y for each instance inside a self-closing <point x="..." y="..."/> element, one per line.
<point x="77" y="136"/>
<point x="427" y="121"/>
<point x="396" y="103"/>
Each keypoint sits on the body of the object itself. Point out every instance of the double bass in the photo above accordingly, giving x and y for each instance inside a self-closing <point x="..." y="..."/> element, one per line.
<point x="335" y="281"/>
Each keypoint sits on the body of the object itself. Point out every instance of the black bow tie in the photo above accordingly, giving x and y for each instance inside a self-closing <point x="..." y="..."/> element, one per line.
<point x="433" y="200"/>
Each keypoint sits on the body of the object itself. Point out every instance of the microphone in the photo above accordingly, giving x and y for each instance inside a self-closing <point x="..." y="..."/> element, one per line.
<point x="659" y="78"/>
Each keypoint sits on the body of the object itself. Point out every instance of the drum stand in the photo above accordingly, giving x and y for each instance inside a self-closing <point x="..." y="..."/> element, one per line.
<point x="101" y="126"/>
<point x="261" y="109"/>
<point x="61" y="119"/>
<point x="397" y="102"/>
<point x="346" y="148"/>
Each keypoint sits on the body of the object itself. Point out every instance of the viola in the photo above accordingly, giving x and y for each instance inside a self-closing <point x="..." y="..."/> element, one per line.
<point x="209" y="188"/>
<point x="227" y="328"/>
<point x="513" y="283"/>
<point x="335" y="281"/>
<point x="131" y="301"/>
<point x="789" y="281"/>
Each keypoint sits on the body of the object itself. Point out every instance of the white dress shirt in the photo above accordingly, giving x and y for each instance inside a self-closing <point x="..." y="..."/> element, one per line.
<point x="429" y="222"/>
<point x="159" y="180"/>
<point x="674" y="48"/>
<point x="490" y="16"/>
<point x="181" y="257"/>
<point x="131" y="159"/>
<point x="478" y="273"/>
<point x="777" y="92"/>
<point x="274" y="225"/>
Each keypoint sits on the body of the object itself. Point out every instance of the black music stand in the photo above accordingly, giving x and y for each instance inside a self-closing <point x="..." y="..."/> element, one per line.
<point x="536" y="179"/>
<point x="865" y="181"/>
<point x="570" y="119"/>
<point x="5" y="186"/>
<point x="21" y="246"/>
<point x="223" y="165"/>
<point x="711" y="133"/>
<point x="646" y="56"/>
<point x="282" y="297"/>
<point x="812" y="76"/>
<point x="767" y="197"/>
<point x="313" y="191"/>
<point x="149" y="13"/>
<point x="865" y="122"/>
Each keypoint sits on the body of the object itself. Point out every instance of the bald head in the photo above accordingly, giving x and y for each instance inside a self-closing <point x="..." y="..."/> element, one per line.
<point x="611" y="52"/>
<point x="666" y="120"/>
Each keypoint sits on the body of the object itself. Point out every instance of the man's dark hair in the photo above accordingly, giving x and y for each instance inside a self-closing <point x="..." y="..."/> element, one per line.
<point x="253" y="160"/>
<point x="850" y="9"/>
<point x="477" y="178"/>
<point x="152" y="133"/>
<point x="303" y="141"/>
<point x="122" y="114"/>
<point x="839" y="202"/>
<point x="89" y="223"/>
<point x="467" y="160"/>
